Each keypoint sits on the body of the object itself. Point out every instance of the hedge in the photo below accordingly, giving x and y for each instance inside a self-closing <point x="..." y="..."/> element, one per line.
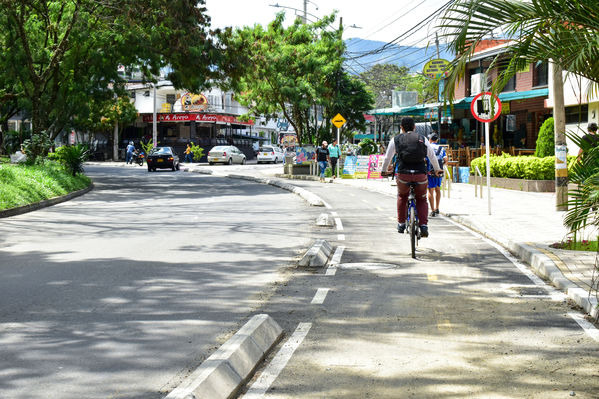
<point x="518" y="167"/>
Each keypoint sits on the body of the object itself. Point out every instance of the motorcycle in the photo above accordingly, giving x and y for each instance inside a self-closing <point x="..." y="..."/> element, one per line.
<point x="138" y="158"/>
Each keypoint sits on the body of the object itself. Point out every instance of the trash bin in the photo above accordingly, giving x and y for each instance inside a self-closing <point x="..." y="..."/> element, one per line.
<point x="464" y="174"/>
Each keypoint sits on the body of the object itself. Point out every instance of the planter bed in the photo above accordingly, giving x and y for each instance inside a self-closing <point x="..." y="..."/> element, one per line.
<point x="543" y="186"/>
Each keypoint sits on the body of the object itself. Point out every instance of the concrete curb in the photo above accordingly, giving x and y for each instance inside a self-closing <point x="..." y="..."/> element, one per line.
<point x="226" y="370"/>
<point x="543" y="266"/>
<point x="45" y="203"/>
<point x="318" y="255"/>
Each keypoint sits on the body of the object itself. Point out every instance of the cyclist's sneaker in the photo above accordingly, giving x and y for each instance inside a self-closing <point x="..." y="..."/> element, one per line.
<point x="436" y="211"/>
<point x="401" y="227"/>
<point x="424" y="231"/>
<point x="433" y="214"/>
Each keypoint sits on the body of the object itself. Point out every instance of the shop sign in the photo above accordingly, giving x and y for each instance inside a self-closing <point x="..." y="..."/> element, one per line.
<point x="505" y="108"/>
<point x="435" y="68"/>
<point x="282" y="124"/>
<point x="209" y="118"/>
<point x="194" y="102"/>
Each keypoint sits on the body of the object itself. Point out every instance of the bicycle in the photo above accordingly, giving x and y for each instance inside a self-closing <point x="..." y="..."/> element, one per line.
<point x="412" y="224"/>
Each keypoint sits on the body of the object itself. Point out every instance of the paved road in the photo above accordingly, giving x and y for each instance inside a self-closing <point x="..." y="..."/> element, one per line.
<point x="117" y="294"/>
<point x="461" y="321"/>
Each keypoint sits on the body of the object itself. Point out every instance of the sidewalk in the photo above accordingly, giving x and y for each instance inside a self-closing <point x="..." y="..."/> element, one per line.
<point x="525" y="223"/>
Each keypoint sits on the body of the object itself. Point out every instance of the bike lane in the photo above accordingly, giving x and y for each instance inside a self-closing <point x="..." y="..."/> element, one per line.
<point x="461" y="320"/>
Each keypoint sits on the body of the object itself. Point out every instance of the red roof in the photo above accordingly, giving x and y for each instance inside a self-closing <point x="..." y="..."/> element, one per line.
<point x="489" y="43"/>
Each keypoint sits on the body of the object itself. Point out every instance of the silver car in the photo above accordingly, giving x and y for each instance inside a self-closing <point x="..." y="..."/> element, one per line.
<point x="227" y="154"/>
<point x="270" y="153"/>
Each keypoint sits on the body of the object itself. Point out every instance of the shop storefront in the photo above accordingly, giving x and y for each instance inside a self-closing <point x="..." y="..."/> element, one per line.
<point x="203" y="129"/>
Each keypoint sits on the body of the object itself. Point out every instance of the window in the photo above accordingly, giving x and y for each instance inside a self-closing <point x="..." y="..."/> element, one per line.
<point x="511" y="84"/>
<point x="541" y="74"/>
<point x="577" y="114"/>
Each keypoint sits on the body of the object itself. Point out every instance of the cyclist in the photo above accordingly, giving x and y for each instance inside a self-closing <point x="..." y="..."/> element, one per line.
<point x="411" y="149"/>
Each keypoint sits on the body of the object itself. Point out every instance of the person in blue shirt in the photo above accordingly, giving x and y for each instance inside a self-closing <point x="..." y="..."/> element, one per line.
<point x="334" y="154"/>
<point x="434" y="182"/>
<point x="130" y="149"/>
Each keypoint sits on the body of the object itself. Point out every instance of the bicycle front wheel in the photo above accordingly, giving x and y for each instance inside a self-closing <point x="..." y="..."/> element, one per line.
<point x="413" y="230"/>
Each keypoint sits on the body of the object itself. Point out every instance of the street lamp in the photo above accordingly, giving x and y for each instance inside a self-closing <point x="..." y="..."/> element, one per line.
<point x="305" y="11"/>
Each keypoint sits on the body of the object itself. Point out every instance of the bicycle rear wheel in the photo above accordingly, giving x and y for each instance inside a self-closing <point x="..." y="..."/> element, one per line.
<point x="413" y="230"/>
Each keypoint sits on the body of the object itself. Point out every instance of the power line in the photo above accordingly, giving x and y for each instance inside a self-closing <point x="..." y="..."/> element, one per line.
<point x="395" y="20"/>
<point x="408" y="33"/>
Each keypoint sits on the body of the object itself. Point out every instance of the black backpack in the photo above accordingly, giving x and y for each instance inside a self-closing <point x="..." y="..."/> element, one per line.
<point x="410" y="147"/>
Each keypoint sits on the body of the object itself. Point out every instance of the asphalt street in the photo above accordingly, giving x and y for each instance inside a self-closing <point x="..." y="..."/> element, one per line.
<point x="460" y="321"/>
<point x="120" y="292"/>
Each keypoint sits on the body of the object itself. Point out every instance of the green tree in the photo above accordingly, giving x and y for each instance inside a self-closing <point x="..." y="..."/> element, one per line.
<point x="60" y="54"/>
<point x="296" y="71"/>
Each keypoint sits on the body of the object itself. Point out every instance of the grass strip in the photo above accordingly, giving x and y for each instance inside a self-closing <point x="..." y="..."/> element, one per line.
<point x="27" y="184"/>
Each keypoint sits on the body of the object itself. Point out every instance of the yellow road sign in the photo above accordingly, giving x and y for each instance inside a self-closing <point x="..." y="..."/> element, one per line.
<point x="338" y="121"/>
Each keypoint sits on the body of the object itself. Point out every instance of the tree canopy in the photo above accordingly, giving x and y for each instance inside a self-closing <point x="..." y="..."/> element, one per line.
<point x="57" y="55"/>
<point x="296" y="71"/>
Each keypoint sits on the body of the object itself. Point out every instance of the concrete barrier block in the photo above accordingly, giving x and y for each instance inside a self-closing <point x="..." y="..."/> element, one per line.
<point x="224" y="372"/>
<point x="324" y="220"/>
<point x="318" y="255"/>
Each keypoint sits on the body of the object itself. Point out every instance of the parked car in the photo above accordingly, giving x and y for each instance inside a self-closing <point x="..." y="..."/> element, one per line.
<point x="270" y="153"/>
<point x="228" y="154"/>
<point x="162" y="158"/>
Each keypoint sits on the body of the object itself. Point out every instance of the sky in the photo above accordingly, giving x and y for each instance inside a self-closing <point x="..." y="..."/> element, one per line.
<point x="381" y="20"/>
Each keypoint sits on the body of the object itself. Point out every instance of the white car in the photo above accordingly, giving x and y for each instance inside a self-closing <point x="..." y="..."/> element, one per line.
<point x="227" y="154"/>
<point x="270" y="153"/>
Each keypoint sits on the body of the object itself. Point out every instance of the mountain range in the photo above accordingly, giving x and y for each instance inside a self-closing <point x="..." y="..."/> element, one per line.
<point x="362" y="54"/>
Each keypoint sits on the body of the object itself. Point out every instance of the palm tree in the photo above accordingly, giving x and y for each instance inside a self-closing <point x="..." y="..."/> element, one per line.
<point x="565" y="31"/>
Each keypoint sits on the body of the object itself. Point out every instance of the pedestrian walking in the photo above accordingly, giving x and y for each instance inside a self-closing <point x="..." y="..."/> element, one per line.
<point x="334" y="154"/>
<point x="130" y="149"/>
<point x="188" y="154"/>
<point x="322" y="156"/>
<point x="434" y="181"/>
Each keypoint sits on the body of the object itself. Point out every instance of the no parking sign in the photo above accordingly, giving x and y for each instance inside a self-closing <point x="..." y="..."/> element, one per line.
<point x="486" y="107"/>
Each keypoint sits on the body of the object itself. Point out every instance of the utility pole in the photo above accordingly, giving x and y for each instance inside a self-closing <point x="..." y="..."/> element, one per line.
<point x="559" y="115"/>
<point x="305" y="11"/>
<point x="438" y="90"/>
<point x="154" y="121"/>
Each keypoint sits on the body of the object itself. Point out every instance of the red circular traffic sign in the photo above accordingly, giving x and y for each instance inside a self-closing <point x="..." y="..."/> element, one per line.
<point x="481" y="107"/>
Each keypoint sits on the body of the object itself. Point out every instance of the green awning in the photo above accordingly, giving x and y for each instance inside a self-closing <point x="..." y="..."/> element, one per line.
<point x="464" y="103"/>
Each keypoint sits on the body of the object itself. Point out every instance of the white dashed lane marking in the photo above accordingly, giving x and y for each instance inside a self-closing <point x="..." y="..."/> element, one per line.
<point x="320" y="296"/>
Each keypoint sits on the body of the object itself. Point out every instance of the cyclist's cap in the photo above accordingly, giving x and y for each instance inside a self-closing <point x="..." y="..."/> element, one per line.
<point x="434" y="137"/>
<point x="592" y="127"/>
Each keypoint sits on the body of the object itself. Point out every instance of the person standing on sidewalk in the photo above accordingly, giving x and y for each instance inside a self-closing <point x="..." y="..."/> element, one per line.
<point x="322" y="156"/>
<point x="591" y="137"/>
<point x="334" y="154"/>
<point x="411" y="149"/>
<point x="434" y="182"/>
